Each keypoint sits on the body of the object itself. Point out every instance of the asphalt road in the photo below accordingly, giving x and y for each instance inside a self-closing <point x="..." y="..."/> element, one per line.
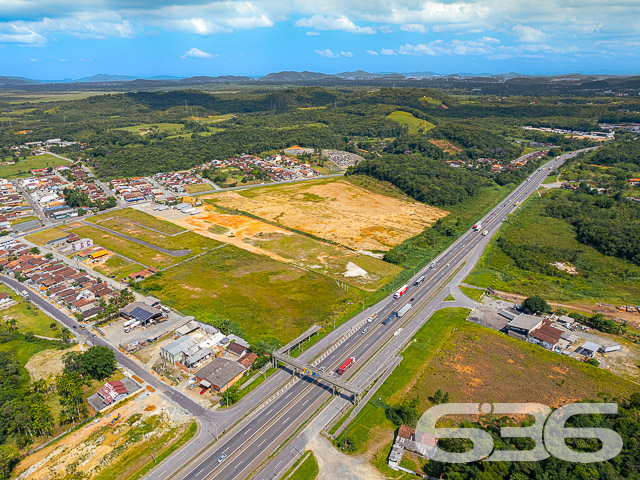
<point x="254" y="439"/>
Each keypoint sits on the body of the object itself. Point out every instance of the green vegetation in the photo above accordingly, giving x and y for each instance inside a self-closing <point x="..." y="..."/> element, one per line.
<point x="414" y="125"/>
<point x="22" y="166"/>
<point x="306" y="468"/>
<point x="473" y="293"/>
<point x="519" y="262"/>
<point x="27" y="318"/>
<point x="265" y="300"/>
<point x="140" y="218"/>
<point x="47" y="235"/>
<point x="535" y="304"/>
<point x="445" y="359"/>
<point x="117" y="267"/>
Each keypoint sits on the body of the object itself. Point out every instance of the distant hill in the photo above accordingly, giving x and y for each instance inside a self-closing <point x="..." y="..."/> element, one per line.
<point x="291" y="76"/>
<point x="7" y="81"/>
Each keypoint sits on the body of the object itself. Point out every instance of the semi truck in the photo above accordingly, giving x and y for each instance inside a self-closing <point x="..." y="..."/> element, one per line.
<point x="401" y="291"/>
<point x="128" y="322"/>
<point x="389" y="318"/>
<point x="404" y="310"/>
<point x="344" y="366"/>
<point x="476" y="227"/>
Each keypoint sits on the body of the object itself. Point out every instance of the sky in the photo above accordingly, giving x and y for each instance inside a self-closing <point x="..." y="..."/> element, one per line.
<point x="63" y="39"/>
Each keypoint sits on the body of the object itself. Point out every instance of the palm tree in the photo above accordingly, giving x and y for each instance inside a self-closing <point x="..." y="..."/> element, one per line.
<point x="66" y="334"/>
<point x="11" y="324"/>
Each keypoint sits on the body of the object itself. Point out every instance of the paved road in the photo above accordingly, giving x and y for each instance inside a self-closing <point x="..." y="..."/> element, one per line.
<point x="244" y="187"/>
<point x="251" y="442"/>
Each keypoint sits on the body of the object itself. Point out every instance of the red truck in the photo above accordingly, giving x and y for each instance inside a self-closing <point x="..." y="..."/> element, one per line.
<point x="346" y="364"/>
<point x="401" y="291"/>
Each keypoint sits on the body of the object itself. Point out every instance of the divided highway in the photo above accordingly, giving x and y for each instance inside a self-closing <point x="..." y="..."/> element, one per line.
<point x="253" y="440"/>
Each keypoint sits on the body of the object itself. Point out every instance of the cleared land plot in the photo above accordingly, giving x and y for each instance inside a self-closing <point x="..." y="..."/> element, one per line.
<point x="446" y="145"/>
<point x="144" y="128"/>
<point x="265" y="239"/>
<point x="445" y="356"/>
<point x="101" y="451"/>
<point x="116" y="267"/>
<point x="547" y="241"/>
<point x="47" y="235"/>
<point x="415" y="125"/>
<point x="266" y="300"/>
<point x="28" y="317"/>
<point x="140" y="218"/>
<point x="336" y="210"/>
<point x="139" y="253"/>
<point x="22" y="167"/>
<point x="198" y="187"/>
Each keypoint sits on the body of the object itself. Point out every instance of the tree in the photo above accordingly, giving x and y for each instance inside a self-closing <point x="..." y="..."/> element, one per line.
<point x="69" y="387"/>
<point x="536" y="304"/>
<point x="99" y="362"/>
<point x="9" y="458"/>
<point x="35" y="250"/>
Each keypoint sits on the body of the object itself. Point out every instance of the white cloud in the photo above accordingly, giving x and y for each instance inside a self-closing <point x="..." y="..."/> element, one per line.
<point x="320" y="22"/>
<point x="328" y="53"/>
<point x="413" y="27"/>
<point x="386" y="29"/>
<point x="33" y="59"/>
<point x="195" y="53"/>
<point x="20" y="34"/>
<point x="387" y="51"/>
<point x="62" y="60"/>
<point x="312" y="33"/>
<point x="528" y="34"/>
<point x="372" y="52"/>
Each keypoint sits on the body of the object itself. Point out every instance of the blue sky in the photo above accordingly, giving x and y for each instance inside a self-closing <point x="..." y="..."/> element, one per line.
<point x="57" y="39"/>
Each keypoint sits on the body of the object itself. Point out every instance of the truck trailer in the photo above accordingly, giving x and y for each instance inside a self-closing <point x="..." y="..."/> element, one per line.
<point x="401" y="291"/>
<point x="132" y="326"/>
<point x="404" y="309"/>
<point x="344" y="366"/>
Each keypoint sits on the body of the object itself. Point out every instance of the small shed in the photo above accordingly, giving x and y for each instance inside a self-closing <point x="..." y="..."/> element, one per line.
<point x="589" y="349"/>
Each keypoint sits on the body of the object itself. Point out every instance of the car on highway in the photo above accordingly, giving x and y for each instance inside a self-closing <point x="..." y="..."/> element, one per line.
<point x="364" y="330"/>
<point x="75" y="326"/>
<point x="448" y="264"/>
<point x="322" y="369"/>
<point x="222" y="458"/>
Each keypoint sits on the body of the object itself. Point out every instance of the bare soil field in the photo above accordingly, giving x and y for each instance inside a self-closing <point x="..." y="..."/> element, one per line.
<point x="100" y="450"/>
<point x="336" y="210"/>
<point x="48" y="363"/>
<point x="446" y="145"/>
<point x="285" y="246"/>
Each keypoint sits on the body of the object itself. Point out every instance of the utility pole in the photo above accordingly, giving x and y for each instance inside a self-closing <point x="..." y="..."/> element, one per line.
<point x="154" y="455"/>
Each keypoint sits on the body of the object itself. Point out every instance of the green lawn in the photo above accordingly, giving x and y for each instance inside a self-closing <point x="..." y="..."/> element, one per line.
<point x="22" y="350"/>
<point x="307" y="470"/>
<point x="29" y="318"/>
<point x="473" y="293"/>
<point x="18" y="221"/>
<point x="140" y="218"/>
<point x="415" y="125"/>
<point x="163" y="127"/>
<point x="118" y="267"/>
<point x="548" y="240"/>
<point x="198" y="187"/>
<point x="22" y="167"/>
<point x="266" y="299"/>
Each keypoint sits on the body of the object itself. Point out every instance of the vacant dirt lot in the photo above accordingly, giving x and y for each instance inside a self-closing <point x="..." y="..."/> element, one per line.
<point x="99" y="449"/>
<point x="47" y="362"/>
<point x="336" y="210"/>
<point x="446" y="145"/>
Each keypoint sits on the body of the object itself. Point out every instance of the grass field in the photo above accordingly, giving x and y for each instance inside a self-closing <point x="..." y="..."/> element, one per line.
<point x="198" y="187"/>
<point x="47" y="235"/>
<point x="23" y="220"/>
<point x="29" y="318"/>
<point x="472" y="293"/>
<point x="117" y="267"/>
<point x="266" y="299"/>
<point x="22" y="167"/>
<point x="140" y="253"/>
<point x="307" y="470"/>
<point x="415" y="125"/>
<point x="549" y="240"/>
<point x="142" y="128"/>
<point x="140" y="218"/>
<point x="445" y="356"/>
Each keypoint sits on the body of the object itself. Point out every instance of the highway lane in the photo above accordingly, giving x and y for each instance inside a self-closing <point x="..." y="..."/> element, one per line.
<point x="272" y="425"/>
<point x="491" y="222"/>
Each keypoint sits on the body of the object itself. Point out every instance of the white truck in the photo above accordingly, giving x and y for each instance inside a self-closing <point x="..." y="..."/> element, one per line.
<point x="128" y="322"/>
<point x="485" y="233"/>
<point x="132" y="326"/>
<point x="404" y="309"/>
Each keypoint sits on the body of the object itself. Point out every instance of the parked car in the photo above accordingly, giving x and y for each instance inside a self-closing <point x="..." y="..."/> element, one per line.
<point x="192" y="386"/>
<point x="202" y="391"/>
